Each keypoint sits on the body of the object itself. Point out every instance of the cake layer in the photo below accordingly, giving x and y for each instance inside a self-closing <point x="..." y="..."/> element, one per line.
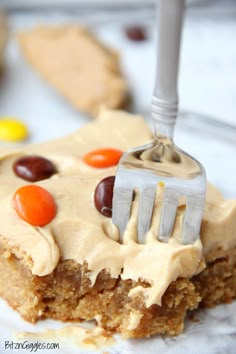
<point x="67" y="294"/>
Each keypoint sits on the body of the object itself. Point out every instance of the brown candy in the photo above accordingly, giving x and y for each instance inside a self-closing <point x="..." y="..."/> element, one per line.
<point x="136" y="33"/>
<point x="33" y="168"/>
<point x="103" y="196"/>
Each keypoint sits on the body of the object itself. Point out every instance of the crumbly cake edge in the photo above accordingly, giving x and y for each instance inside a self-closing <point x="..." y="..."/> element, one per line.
<point x="67" y="295"/>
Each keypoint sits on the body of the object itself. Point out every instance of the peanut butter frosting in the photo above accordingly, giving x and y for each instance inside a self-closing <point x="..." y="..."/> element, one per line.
<point x="79" y="232"/>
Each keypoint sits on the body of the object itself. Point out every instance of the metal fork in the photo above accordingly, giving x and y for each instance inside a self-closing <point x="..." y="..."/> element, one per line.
<point x="143" y="168"/>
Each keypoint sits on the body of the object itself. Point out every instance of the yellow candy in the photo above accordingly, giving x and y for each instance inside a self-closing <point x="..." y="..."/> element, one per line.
<point x="12" y="130"/>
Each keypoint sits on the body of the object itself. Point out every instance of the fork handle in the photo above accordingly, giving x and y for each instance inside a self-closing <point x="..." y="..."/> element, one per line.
<point x="165" y="96"/>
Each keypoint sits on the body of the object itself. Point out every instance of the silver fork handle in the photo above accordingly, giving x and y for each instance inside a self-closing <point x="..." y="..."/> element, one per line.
<point x="165" y="96"/>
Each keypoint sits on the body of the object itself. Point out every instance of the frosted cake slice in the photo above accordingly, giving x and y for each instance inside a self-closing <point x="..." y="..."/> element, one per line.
<point x="71" y="266"/>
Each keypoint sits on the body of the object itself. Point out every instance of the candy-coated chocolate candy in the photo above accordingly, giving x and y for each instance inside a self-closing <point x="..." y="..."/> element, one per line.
<point x="101" y="158"/>
<point x="136" y="33"/>
<point x="103" y="196"/>
<point x="12" y="130"/>
<point x="33" y="168"/>
<point x="34" y="204"/>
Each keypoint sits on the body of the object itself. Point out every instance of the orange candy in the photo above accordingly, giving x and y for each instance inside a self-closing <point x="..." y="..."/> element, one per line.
<point x="34" y="204"/>
<point x="102" y="158"/>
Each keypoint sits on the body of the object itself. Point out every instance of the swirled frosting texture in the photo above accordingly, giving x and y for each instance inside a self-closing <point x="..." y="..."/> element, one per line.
<point x="81" y="233"/>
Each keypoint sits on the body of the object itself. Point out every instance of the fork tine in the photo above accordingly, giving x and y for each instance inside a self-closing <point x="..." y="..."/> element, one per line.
<point x="192" y="218"/>
<point x="121" y="207"/>
<point x="146" y="204"/>
<point x="168" y="213"/>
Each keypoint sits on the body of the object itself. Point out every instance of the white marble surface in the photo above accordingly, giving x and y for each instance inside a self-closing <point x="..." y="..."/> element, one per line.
<point x="207" y="85"/>
<point x="212" y="332"/>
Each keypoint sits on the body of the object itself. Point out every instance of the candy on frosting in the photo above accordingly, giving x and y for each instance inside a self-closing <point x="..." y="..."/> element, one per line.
<point x="101" y="158"/>
<point x="79" y="232"/>
<point x="33" y="168"/>
<point x="103" y="195"/>
<point x="12" y="129"/>
<point x="34" y="204"/>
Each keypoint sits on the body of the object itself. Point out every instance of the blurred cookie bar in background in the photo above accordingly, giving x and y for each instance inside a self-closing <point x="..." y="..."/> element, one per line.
<point x="85" y="71"/>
